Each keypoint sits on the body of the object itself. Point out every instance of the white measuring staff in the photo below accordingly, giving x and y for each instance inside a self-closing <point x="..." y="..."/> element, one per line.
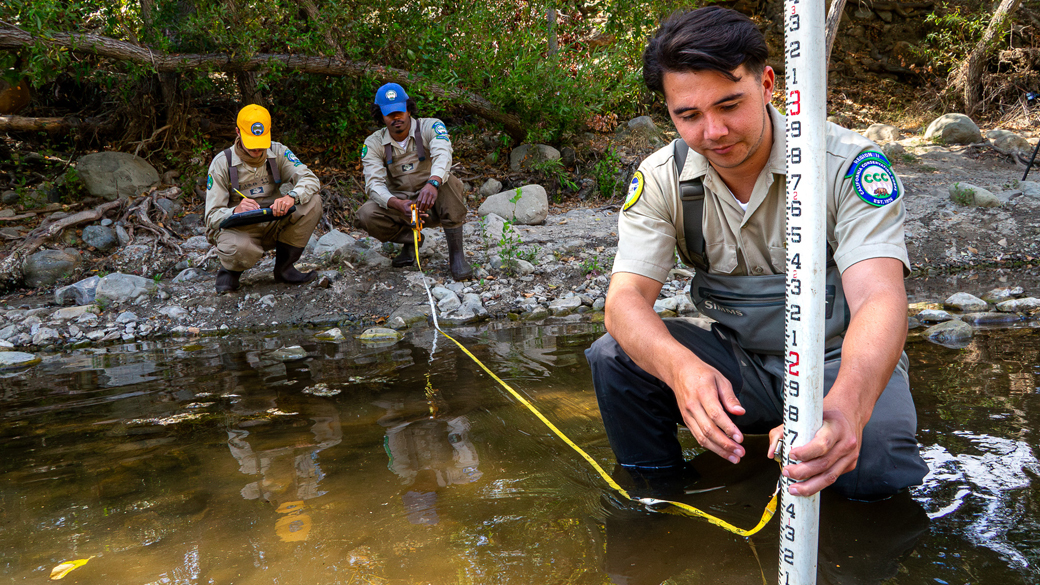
<point x="806" y="82"/>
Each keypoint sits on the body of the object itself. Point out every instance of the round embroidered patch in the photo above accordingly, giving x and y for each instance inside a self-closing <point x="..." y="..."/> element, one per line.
<point x="390" y="95"/>
<point x="876" y="183"/>
<point x="635" y="189"/>
<point x="257" y="129"/>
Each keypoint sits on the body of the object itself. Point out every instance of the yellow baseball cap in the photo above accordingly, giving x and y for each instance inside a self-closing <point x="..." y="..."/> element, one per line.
<point x="254" y="122"/>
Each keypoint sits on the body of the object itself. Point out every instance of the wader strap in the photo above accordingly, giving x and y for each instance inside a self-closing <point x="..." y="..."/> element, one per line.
<point x="691" y="193"/>
<point x="272" y="168"/>
<point x="419" y="148"/>
<point x="388" y="150"/>
<point x="232" y="170"/>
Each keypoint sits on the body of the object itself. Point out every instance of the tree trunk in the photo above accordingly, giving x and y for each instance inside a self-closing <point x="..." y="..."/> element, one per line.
<point x="833" y="20"/>
<point x="15" y="38"/>
<point x="970" y="73"/>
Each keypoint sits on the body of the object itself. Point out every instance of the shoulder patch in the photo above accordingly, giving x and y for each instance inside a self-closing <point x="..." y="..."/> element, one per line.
<point x="292" y="158"/>
<point x="364" y="150"/>
<point x="873" y="179"/>
<point x="439" y="129"/>
<point x="635" y="189"/>
<point x="209" y="182"/>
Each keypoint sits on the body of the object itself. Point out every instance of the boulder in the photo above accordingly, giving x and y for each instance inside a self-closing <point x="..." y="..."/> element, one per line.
<point x="46" y="267"/>
<point x="120" y="288"/>
<point x="489" y="188"/>
<point x="1006" y="142"/>
<point x="954" y="129"/>
<point x="972" y="196"/>
<point x="10" y="360"/>
<point x="527" y="156"/>
<point x="80" y="293"/>
<point x="531" y="208"/>
<point x="882" y="133"/>
<point x="337" y="245"/>
<point x="951" y="332"/>
<point x="965" y="302"/>
<point x="101" y="238"/>
<point x="115" y="174"/>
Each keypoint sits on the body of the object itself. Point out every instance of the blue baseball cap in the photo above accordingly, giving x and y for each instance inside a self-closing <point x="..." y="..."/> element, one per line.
<point x="391" y="98"/>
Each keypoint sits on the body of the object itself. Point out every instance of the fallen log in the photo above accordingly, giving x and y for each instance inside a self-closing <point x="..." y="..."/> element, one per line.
<point x="12" y="37"/>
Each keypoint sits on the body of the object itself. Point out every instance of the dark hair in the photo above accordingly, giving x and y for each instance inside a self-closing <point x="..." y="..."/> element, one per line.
<point x="709" y="38"/>
<point x="377" y="113"/>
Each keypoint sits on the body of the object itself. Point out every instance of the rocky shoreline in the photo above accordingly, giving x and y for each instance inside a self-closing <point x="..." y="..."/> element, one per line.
<point x="972" y="227"/>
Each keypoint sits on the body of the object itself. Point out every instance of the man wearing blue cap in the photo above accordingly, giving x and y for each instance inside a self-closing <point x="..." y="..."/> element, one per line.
<point x="408" y="162"/>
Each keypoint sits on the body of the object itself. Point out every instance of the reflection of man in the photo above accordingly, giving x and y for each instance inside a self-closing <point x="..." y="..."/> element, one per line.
<point x="288" y="474"/>
<point x="409" y="162"/>
<point x="651" y="374"/>
<point x="428" y="455"/>
<point x="246" y="177"/>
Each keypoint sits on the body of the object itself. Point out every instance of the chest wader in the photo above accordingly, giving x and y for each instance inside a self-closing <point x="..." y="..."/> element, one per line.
<point x="751" y="308"/>
<point x="412" y="180"/>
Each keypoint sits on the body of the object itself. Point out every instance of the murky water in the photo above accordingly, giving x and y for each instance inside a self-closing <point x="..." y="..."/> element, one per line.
<point x="230" y="461"/>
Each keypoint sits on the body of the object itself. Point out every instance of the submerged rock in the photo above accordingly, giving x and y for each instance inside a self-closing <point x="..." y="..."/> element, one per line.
<point x="11" y="360"/>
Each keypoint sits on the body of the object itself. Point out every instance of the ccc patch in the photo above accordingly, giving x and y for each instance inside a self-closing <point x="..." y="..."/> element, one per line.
<point x="209" y="182"/>
<point x="364" y="151"/>
<point x="873" y="179"/>
<point x="635" y="189"/>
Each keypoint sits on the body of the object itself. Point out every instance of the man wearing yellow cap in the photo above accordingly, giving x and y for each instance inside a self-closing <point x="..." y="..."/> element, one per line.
<point x="252" y="174"/>
<point x="409" y="163"/>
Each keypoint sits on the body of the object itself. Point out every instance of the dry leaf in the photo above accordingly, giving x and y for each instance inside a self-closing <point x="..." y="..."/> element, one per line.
<point x="65" y="568"/>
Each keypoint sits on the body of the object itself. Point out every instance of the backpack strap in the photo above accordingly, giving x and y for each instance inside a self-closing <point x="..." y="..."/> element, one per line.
<point x="691" y="193"/>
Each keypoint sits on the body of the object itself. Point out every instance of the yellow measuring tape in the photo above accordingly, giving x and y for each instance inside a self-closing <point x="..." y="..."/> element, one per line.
<point x="651" y="503"/>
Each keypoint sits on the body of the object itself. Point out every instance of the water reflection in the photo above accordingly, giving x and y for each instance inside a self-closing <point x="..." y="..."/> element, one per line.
<point x="282" y="459"/>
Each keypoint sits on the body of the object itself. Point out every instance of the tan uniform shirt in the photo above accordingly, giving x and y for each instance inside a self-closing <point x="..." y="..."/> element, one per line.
<point x="406" y="174"/>
<point x="255" y="183"/>
<point x="753" y="242"/>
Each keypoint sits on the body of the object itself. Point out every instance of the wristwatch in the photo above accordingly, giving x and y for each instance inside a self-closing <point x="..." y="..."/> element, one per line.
<point x="295" y="196"/>
<point x="436" y="184"/>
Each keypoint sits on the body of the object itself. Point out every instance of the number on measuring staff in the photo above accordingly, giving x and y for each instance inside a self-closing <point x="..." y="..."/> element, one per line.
<point x="796" y="155"/>
<point x="788" y="556"/>
<point x="795" y="234"/>
<point x="795" y="102"/>
<point x="796" y="177"/>
<point x="796" y="262"/>
<point x="789" y="532"/>
<point x="795" y="22"/>
<point x="796" y="129"/>
<point x="792" y="363"/>
<point x="792" y="413"/>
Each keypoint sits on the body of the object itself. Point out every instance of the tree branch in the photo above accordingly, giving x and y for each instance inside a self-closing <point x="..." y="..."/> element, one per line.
<point x="12" y="37"/>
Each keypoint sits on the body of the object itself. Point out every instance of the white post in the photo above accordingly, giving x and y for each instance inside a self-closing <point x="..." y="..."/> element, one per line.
<point x="806" y="77"/>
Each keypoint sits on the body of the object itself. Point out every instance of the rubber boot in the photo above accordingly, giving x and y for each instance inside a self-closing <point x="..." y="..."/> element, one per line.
<point x="406" y="257"/>
<point x="227" y="280"/>
<point x="460" y="269"/>
<point x="284" y="271"/>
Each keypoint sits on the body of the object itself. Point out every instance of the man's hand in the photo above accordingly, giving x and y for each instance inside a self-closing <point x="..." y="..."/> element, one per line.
<point x="703" y="394"/>
<point x="704" y="397"/>
<point x="246" y="205"/>
<point x="282" y="205"/>
<point x="834" y="450"/>
<point x="427" y="197"/>
<point x="404" y="207"/>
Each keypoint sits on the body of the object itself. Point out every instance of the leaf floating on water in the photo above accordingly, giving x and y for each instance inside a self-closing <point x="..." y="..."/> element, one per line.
<point x="65" y="568"/>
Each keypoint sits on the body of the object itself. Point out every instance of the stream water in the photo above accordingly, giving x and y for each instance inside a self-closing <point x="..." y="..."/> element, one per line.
<point x="232" y="460"/>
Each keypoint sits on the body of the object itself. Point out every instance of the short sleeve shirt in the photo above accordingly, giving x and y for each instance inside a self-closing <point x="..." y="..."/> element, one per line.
<point x="752" y="242"/>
